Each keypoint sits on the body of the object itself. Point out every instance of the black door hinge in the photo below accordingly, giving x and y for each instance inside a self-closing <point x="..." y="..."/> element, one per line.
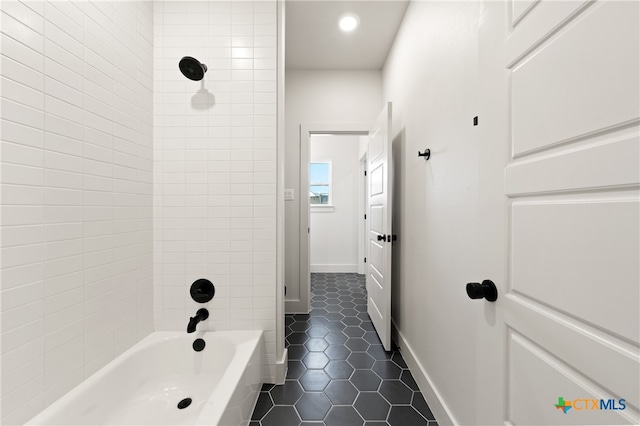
<point x="365" y="172"/>
<point x="285" y="290"/>
<point x="365" y="217"/>
<point x="365" y="260"/>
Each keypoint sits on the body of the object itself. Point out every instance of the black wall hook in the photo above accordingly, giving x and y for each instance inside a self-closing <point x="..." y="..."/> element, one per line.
<point x="426" y="154"/>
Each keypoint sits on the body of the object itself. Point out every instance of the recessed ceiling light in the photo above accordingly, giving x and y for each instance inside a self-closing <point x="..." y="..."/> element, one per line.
<point x="349" y="22"/>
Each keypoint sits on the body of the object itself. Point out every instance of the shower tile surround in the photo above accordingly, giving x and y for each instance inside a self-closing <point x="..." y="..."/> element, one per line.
<point x="215" y="165"/>
<point x="77" y="187"/>
<point x="123" y="182"/>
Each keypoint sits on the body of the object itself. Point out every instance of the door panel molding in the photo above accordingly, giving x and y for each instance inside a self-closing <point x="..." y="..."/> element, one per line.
<point x="525" y="390"/>
<point x="540" y="24"/>
<point x="611" y="164"/>
<point x="520" y="9"/>
<point x="546" y="327"/>
<point x="561" y="77"/>
<point x="558" y="257"/>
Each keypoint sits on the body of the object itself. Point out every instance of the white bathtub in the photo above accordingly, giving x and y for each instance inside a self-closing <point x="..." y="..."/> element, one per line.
<point x="144" y="385"/>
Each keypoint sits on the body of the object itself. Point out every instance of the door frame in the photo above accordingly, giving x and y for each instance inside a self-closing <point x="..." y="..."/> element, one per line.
<point x="303" y="304"/>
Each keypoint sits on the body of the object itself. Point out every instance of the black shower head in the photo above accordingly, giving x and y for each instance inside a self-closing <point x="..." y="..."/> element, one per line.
<point x="192" y="68"/>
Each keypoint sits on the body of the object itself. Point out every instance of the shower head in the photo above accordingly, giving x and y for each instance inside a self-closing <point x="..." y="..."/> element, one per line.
<point x="192" y="68"/>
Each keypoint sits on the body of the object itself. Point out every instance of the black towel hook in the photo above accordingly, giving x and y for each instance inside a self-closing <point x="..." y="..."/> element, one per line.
<point x="426" y="154"/>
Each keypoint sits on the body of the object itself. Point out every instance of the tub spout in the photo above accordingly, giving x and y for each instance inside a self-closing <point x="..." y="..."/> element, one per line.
<point x="201" y="315"/>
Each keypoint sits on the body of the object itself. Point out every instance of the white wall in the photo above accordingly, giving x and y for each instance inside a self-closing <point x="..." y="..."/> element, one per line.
<point x="334" y="230"/>
<point x="76" y="193"/>
<point x="215" y="165"/>
<point x="430" y="76"/>
<point x="319" y="97"/>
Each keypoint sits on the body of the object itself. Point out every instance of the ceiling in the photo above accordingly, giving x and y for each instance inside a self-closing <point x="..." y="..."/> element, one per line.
<point x="314" y="41"/>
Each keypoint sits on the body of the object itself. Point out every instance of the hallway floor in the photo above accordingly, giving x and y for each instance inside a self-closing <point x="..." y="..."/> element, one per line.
<point x="339" y="374"/>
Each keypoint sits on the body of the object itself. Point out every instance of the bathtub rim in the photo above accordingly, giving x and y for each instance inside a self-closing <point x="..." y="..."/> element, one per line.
<point x="254" y="338"/>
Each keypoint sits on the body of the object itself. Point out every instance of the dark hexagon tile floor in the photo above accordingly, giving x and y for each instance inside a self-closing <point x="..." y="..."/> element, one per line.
<point x="339" y="374"/>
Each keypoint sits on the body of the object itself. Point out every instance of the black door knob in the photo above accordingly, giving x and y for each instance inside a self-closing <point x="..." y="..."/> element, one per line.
<point x="486" y="290"/>
<point x="382" y="237"/>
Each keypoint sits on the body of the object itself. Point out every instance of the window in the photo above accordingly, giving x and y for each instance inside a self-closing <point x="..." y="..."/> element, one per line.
<point x="319" y="183"/>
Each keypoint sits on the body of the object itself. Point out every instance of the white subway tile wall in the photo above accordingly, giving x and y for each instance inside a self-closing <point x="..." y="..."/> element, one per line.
<point x="77" y="193"/>
<point x="215" y="165"/>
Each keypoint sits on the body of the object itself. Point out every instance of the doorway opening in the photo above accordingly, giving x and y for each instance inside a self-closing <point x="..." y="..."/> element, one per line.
<point x="336" y="210"/>
<point x="332" y="214"/>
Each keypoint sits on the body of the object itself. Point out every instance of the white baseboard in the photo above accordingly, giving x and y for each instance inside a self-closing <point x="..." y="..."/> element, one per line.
<point x="344" y="268"/>
<point x="434" y="399"/>
<point x="281" y="367"/>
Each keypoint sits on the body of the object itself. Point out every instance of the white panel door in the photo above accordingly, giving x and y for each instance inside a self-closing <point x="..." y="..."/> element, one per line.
<point x="560" y="212"/>
<point x="379" y="234"/>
